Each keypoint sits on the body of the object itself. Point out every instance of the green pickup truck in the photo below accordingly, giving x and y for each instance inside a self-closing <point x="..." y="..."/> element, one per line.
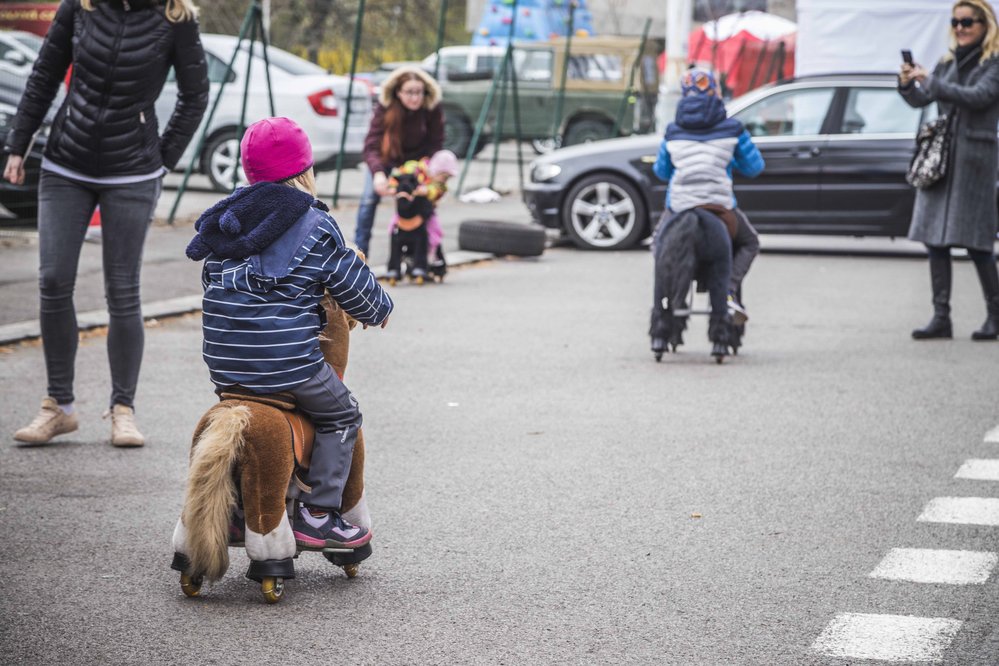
<point x="597" y="95"/>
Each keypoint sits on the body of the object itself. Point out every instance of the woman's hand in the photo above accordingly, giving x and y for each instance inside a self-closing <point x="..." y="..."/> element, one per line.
<point x="14" y="171"/>
<point x="381" y="184"/>
<point x="910" y="73"/>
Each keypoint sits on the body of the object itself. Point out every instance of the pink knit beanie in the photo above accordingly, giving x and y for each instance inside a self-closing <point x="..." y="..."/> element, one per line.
<point x="275" y="149"/>
<point x="443" y="161"/>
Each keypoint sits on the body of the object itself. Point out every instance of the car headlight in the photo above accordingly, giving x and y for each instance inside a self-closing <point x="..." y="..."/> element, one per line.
<point x="542" y="172"/>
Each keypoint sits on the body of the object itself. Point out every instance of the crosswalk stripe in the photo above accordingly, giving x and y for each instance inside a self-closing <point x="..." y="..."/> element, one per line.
<point x="962" y="510"/>
<point x="979" y="469"/>
<point x="992" y="436"/>
<point x="921" y="565"/>
<point x="886" y="637"/>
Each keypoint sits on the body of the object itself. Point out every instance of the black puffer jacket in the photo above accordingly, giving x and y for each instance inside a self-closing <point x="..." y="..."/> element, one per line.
<point x="121" y="57"/>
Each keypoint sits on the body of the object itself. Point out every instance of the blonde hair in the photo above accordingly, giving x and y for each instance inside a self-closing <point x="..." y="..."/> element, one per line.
<point x="176" y="10"/>
<point x="306" y="182"/>
<point x="983" y="11"/>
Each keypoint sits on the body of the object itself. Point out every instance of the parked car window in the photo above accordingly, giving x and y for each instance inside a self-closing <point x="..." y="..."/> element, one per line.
<point x="33" y="42"/>
<point x="454" y="63"/>
<point x="596" y="67"/>
<point x="876" y="111"/>
<point x="534" y="65"/>
<point x="286" y="62"/>
<point x="791" y="113"/>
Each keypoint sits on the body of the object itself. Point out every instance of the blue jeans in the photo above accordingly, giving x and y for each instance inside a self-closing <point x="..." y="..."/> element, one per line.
<point x="64" y="210"/>
<point x="337" y="418"/>
<point x="366" y="213"/>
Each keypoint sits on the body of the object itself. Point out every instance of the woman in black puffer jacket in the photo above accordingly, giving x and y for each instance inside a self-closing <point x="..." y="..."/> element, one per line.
<point x="104" y="149"/>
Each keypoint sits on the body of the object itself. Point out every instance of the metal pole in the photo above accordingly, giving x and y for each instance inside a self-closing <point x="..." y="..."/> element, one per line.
<point x="498" y="130"/>
<point x="560" y="99"/>
<point x="246" y="96"/>
<point x="440" y="38"/>
<point x="483" y="114"/>
<point x="629" y="93"/>
<point x="350" y="96"/>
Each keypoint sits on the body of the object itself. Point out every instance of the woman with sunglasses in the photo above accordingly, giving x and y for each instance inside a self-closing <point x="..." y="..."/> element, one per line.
<point x="408" y="124"/>
<point x="960" y="211"/>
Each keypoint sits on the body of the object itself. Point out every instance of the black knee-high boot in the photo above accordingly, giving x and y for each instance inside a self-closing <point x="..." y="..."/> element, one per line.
<point x="989" y="277"/>
<point x="940" y="280"/>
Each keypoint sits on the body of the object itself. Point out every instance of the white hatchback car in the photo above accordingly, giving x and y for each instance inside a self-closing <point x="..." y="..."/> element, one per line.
<point x="302" y="91"/>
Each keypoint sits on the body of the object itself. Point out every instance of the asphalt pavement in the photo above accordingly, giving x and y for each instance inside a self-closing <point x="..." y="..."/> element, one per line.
<point x="542" y="490"/>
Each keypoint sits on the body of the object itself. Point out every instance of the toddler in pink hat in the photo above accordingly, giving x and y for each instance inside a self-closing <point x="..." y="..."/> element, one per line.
<point x="272" y="254"/>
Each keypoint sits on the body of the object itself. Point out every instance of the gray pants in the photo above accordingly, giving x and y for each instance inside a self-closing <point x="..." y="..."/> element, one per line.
<point x="335" y="414"/>
<point x="64" y="210"/>
<point x="745" y="247"/>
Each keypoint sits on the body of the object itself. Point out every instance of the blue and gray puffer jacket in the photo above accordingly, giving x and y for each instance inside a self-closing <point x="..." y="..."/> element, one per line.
<point x="271" y="253"/>
<point x="700" y="150"/>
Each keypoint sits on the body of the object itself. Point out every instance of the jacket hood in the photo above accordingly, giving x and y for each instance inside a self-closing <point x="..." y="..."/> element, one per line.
<point x="389" y="85"/>
<point x="248" y="221"/>
<point x="700" y="111"/>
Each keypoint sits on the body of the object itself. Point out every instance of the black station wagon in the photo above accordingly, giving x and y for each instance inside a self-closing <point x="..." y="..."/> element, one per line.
<point x="836" y="148"/>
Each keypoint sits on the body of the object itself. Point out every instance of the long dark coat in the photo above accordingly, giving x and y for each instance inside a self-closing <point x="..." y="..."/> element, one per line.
<point x="961" y="211"/>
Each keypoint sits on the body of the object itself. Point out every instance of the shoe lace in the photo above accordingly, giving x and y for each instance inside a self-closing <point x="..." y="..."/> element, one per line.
<point x="45" y="414"/>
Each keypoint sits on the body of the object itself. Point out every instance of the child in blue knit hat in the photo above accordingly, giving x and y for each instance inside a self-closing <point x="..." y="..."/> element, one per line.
<point x="697" y="156"/>
<point x="272" y="253"/>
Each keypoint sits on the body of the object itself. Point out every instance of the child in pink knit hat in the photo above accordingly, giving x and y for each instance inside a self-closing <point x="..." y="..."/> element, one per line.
<point x="272" y="253"/>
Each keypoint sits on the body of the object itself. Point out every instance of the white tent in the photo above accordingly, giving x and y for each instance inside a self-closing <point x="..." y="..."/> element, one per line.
<point x="868" y="35"/>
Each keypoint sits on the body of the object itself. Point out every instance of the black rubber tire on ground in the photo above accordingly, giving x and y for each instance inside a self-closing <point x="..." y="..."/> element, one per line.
<point x="500" y="238"/>
<point x="586" y="130"/>
<point x="217" y="160"/>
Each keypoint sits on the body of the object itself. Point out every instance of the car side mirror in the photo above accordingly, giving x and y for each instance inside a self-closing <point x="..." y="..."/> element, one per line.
<point x="15" y="58"/>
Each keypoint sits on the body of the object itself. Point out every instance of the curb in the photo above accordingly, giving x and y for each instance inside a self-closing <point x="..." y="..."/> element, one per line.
<point x="181" y="305"/>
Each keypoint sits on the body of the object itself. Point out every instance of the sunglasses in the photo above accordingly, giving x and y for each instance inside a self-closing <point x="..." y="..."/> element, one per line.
<point x="964" y="22"/>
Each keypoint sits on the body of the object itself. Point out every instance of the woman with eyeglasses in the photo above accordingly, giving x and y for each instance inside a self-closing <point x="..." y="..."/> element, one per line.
<point x="408" y="124"/>
<point x="960" y="211"/>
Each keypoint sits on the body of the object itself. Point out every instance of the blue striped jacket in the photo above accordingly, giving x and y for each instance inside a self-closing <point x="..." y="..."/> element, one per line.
<point x="263" y="313"/>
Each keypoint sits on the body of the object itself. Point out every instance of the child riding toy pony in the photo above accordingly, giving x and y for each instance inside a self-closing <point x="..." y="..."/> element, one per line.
<point x="242" y="483"/>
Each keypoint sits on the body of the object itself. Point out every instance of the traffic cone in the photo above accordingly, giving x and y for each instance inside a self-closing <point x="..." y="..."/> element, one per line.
<point x="94" y="230"/>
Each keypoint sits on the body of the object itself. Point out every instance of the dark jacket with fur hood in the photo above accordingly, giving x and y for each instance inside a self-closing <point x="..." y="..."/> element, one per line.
<point x="422" y="130"/>
<point x="107" y="125"/>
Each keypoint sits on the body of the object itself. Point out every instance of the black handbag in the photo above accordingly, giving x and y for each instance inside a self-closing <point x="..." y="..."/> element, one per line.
<point x="929" y="163"/>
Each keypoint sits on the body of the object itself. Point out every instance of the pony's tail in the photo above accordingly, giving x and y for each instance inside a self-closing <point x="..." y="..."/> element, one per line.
<point x="678" y="258"/>
<point x="211" y="491"/>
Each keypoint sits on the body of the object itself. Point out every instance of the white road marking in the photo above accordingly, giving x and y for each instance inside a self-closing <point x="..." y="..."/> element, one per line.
<point x="953" y="567"/>
<point x="979" y="469"/>
<point x="963" y="510"/>
<point x="887" y="637"/>
<point x="992" y="436"/>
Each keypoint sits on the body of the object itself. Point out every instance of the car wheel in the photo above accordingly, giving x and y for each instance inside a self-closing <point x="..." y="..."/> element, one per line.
<point x="501" y="238"/>
<point x="604" y="212"/>
<point x="544" y="146"/>
<point x="219" y="160"/>
<point x="457" y="133"/>
<point x="586" y="130"/>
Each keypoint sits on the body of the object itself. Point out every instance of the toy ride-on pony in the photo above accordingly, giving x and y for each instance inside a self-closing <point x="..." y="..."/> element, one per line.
<point x="242" y="483"/>
<point x="693" y="245"/>
<point x="410" y="239"/>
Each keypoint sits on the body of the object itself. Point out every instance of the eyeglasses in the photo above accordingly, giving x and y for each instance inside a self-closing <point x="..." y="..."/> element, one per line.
<point x="964" y="22"/>
<point x="413" y="93"/>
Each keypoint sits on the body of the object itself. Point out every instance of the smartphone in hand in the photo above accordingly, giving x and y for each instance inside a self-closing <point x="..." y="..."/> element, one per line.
<point x="907" y="56"/>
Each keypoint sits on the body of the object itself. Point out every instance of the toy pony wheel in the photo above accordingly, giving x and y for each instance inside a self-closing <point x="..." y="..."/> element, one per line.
<point x="659" y="356"/>
<point x="273" y="589"/>
<point x="350" y="570"/>
<point x="191" y="585"/>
